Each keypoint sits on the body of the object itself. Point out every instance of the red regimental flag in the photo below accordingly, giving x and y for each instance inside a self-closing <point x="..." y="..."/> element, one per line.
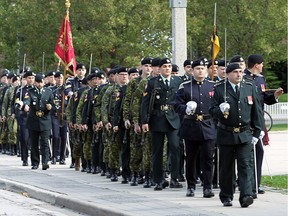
<point x="64" y="47"/>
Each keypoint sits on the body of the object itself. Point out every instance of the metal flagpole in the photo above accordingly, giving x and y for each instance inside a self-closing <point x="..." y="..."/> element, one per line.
<point x="226" y="112"/>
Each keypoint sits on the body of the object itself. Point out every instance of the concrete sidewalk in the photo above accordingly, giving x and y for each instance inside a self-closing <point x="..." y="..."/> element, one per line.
<point x="96" y="195"/>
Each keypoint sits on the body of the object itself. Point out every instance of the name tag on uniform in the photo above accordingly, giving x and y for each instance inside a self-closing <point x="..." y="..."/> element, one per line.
<point x="250" y="100"/>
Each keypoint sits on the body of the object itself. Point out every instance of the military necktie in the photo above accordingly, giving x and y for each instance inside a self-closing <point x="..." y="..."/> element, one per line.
<point x="167" y="84"/>
<point x="237" y="90"/>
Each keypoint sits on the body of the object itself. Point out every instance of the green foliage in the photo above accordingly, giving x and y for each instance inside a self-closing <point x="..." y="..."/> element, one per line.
<point x="283" y="98"/>
<point x="277" y="182"/>
<point x="279" y="127"/>
<point x="123" y="32"/>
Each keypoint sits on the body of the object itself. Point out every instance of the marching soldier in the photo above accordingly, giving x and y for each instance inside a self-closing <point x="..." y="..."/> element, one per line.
<point x="50" y="79"/>
<point x="39" y="103"/>
<point x="21" y="95"/>
<point x="237" y="112"/>
<point x="197" y="129"/>
<point x="3" y="84"/>
<point x="188" y="70"/>
<point x="159" y="116"/>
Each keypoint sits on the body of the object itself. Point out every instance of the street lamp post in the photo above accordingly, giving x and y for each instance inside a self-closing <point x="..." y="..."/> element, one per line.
<point x="179" y="32"/>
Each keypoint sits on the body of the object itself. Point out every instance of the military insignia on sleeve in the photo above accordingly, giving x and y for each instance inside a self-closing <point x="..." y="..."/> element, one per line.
<point x="263" y="88"/>
<point x="26" y="95"/>
<point x="250" y="99"/>
<point x="144" y="94"/>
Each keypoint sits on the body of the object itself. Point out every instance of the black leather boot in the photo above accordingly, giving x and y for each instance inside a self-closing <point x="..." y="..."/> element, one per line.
<point x="134" y="180"/>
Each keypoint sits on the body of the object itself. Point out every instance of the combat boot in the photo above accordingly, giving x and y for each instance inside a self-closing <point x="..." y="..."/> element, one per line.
<point x="114" y="176"/>
<point x="77" y="164"/>
<point x="134" y="181"/>
<point x="147" y="183"/>
<point x="89" y="167"/>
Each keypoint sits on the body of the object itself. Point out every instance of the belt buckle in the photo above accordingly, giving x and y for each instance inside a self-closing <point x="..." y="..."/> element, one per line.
<point x="165" y="107"/>
<point x="39" y="113"/>
<point x="199" y="118"/>
<point x="236" y="129"/>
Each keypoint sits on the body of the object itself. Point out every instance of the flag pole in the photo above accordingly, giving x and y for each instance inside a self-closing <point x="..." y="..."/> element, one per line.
<point x="213" y="44"/>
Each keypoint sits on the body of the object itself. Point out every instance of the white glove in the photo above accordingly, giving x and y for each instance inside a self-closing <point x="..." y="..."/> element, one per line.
<point x="254" y="140"/>
<point x="262" y="134"/>
<point x="224" y="107"/>
<point x="191" y="107"/>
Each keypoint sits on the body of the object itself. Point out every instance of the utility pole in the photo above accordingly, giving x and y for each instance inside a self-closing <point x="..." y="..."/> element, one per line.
<point x="179" y="32"/>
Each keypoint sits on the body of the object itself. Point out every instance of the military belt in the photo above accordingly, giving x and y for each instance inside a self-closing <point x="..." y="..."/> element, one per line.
<point x="198" y="117"/>
<point x="233" y="129"/>
<point x="165" y="107"/>
<point x="39" y="113"/>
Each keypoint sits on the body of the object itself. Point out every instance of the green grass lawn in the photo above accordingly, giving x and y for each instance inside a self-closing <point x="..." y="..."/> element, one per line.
<point x="283" y="98"/>
<point x="277" y="182"/>
<point x="279" y="127"/>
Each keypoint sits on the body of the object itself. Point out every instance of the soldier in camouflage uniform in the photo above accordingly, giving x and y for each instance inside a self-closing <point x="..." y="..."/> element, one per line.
<point x="107" y="111"/>
<point x="102" y="133"/>
<point x="8" y="113"/>
<point x="3" y="84"/>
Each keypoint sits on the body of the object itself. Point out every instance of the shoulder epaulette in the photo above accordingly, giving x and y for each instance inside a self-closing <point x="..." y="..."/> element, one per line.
<point x="211" y="81"/>
<point x="221" y="82"/>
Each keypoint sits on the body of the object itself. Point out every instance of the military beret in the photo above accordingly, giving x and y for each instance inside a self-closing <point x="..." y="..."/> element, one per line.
<point x="198" y="62"/>
<point x="231" y="67"/>
<point x="11" y="75"/>
<point x="236" y="58"/>
<point x="175" y="68"/>
<point x="28" y="73"/>
<point x="80" y="66"/>
<point x="187" y="62"/>
<point x="91" y="76"/>
<point x="95" y="70"/>
<point x="14" y="78"/>
<point x="39" y="78"/>
<point x="50" y="73"/>
<point x="58" y="74"/>
<point x="121" y="69"/>
<point x="164" y="61"/>
<point x="255" y="59"/>
<point x="84" y="81"/>
<point x="210" y="63"/>
<point x="26" y="69"/>
<point x="155" y="61"/>
<point x="133" y="70"/>
<point x="112" y="71"/>
<point x="5" y="72"/>
<point x="205" y="60"/>
<point x="100" y="74"/>
<point x="146" y="61"/>
<point x="221" y="63"/>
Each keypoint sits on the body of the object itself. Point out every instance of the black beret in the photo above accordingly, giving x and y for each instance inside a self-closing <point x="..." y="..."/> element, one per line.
<point x="27" y="68"/>
<point x="28" y="73"/>
<point x="255" y="59"/>
<point x="121" y="69"/>
<point x="39" y="78"/>
<point x="14" y="78"/>
<point x="231" y="67"/>
<point x="84" y="81"/>
<point x="100" y="74"/>
<point x="80" y="66"/>
<point x="236" y="58"/>
<point x="146" y="61"/>
<point x="155" y="61"/>
<point x="4" y="74"/>
<point x="133" y="70"/>
<point x="5" y="71"/>
<point x="210" y="63"/>
<point x="205" y="60"/>
<point x="198" y="62"/>
<point x="11" y="75"/>
<point x="91" y="76"/>
<point x="164" y="61"/>
<point x="187" y="62"/>
<point x="50" y="73"/>
<point x="221" y="63"/>
<point x="58" y="74"/>
<point x="112" y="71"/>
<point x="95" y="70"/>
<point x="175" y="68"/>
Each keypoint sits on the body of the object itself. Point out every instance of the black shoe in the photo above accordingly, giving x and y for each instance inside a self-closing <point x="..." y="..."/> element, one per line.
<point x="53" y="161"/>
<point x="62" y="162"/>
<point x="190" y="192"/>
<point x="147" y="183"/>
<point x="141" y="180"/>
<point x="134" y="181"/>
<point x="175" y="184"/>
<point x="114" y="177"/>
<point x="181" y="178"/>
<point x="124" y="180"/>
<point x="227" y="203"/>
<point x="165" y="184"/>
<point x="158" y="187"/>
<point x="261" y="191"/>
<point x="208" y="193"/>
<point x="246" y="201"/>
<point x="34" y="167"/>
<point x="25" y="163"/>
<point x="45" y="166"/>
<point x="72" y="165"/>
<point x="254" y="195"/>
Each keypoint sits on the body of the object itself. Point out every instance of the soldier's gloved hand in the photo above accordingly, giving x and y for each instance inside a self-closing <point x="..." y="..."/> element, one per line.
<point x="48" y="106"/>
<point x="262" y="134"/>
<point x="127" y="124"/>
<point x="115" y="129"/>
<point x="137" y="128"/>
<point x="254" y="140"/>
<point x="19" y="105"/>
<point x="70" y="94"/>
<point x="26" y="108"/>
<point x="191" y="107"/>
<point x="224" y="107"/>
